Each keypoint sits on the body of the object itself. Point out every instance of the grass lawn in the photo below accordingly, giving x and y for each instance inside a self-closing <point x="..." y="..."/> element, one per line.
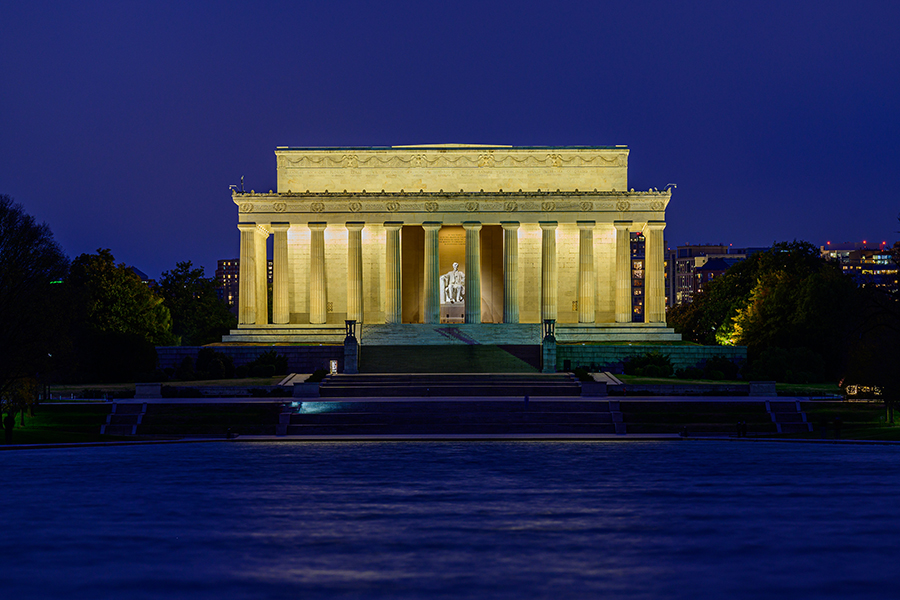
<point x="790" y="389"/>
<point x="659" y="343"/>
<point x="77" y="390"/>
<point x="673" y="380"/>
<point x="63" y="425"/>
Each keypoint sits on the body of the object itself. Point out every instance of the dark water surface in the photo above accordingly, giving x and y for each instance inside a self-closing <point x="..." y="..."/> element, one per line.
<point x="451" y="520"/>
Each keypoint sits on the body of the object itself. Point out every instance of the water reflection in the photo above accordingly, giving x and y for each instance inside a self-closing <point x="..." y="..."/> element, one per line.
<point x="410" y="520"/>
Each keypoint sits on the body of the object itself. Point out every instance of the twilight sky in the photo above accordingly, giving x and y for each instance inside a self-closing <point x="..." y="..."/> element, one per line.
<point x="122" y="124"/>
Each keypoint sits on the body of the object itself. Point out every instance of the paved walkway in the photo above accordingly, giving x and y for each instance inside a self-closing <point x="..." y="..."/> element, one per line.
<point x="246" y="400"/>
<point x="631" y="437"/>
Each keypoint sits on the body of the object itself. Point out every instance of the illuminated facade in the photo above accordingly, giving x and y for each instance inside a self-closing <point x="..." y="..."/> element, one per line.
<point x="370" y="234"/>
<point x="868" y="264"/>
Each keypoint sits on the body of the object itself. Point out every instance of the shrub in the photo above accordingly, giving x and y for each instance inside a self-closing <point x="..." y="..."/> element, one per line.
<point x="185" y="371"/>
<point x="798" y="365"/>
<point x="582" y="374"/>
<point x="689" y="373"/>
<point x="278" y="362"/>
<point x="720" y="366"/>
<point x="317" y="376"/>
<point x="214" y="365"/>
<point x="640" y="365"/>
<point x="257" y="370"/>
<point x="242" y="371"/>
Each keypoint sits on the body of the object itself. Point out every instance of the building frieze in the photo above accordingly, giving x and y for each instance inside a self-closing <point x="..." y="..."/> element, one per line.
<point x="442" y="159"/>
<point x="456" y="202"/>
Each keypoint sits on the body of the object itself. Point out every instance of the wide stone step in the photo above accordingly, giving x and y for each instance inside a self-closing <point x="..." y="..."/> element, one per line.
<point x="450" y="429"/>
<point x="793" y="417"/>
<point x="118" y="429"/>
<point x="459" y="406"/>
<point x="120" y="419"/>
<point x="424" y="385"/>
<point x="795" y="427"/>
<point x="448" y="418"/>
<point x="415" y="391"/>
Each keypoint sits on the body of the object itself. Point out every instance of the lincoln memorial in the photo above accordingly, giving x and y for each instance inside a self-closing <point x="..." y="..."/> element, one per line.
<point x="452" y="243"/>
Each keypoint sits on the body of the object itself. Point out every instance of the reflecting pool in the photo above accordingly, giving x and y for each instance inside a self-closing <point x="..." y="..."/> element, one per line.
<point x="681" y="519"/>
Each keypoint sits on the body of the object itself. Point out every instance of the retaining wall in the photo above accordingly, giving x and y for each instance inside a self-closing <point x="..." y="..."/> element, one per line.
<point x="611" y="357"/>
<point x="300" y="359"/>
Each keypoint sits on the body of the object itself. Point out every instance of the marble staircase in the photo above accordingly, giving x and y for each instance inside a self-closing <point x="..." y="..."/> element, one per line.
<point x="452" y="417"/>
<point x="425" y="385"/>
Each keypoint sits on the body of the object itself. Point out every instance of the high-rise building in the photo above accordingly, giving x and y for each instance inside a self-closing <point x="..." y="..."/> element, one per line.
<point x="687" y="271"/>
<point x="228" y="279"/>
<point x="868" y="264"/>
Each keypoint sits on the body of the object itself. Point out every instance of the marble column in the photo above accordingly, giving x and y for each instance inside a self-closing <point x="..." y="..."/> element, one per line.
<point x="354" y="271"/>
<point x="623" y="271"/>
<point x="247" y="274"/>
<point x="262" y="277"/>
<point x="317" y="307"/>
<point x="392" y="293"/>
<point x="586" y="276"/>
<point x="654" y="273"/>
<point x="510" y="271"/>
<point x="280" y="306"/>
<point x="432" y="273"/>
<point x="473" y="271"/>
<point x="549" y="284"/>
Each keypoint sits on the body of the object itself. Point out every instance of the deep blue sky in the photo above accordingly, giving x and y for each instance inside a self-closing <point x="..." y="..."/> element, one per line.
<point x="122" y="124"/>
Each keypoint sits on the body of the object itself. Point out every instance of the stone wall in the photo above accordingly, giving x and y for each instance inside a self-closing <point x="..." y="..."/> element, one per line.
<point x="301" y="359"/>
<point x="610" y="358"/>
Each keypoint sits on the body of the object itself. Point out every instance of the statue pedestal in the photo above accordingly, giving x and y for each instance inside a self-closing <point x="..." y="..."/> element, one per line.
<point x="453" y="313"/>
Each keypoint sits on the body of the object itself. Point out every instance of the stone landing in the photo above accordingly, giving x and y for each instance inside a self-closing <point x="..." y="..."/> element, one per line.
<point x="449" y="334"/>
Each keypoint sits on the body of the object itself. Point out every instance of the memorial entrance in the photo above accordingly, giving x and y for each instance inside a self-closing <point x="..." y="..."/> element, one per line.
<point x="451" y="244"/>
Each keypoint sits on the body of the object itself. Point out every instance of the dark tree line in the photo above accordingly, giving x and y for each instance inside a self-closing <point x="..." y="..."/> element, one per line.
<point x="801" y="318"/>
<point x="92" y="319"/>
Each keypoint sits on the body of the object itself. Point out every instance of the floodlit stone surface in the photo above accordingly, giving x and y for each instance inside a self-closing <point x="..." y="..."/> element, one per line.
<point x="367" y="233"/>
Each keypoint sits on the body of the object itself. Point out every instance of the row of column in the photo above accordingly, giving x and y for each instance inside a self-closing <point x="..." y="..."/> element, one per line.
<point x="253" y="272"/>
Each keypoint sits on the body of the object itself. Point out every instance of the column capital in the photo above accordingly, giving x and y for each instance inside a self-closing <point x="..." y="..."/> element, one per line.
<point x="432" y="225"/>
<point x="656" y="225"/>
<point x="317" y="226"/>
<point x="509" y="224"/>
<point x="253" y="227"/>
<point x="279" y="226"/>
<point x="586" y="224"/>
<point x="393" y="225"/>
<point x="355" y="225"/>
<point x="548" y="225"/>
<point x="471" y="225"/>
<point x="623" y="225"/>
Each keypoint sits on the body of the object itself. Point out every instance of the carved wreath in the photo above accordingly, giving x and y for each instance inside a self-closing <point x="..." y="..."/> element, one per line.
<point x="623" y="205"/>
<point x="471" y="206"/>
<point x="393" y="206"/>
<point x="431" y="206"/>
<point x="658" y="205"/>
<point x="511" y="206"/>
<point x="548" y="206"/>
<point x="355" y="206"/>
<point x="246" y="207"/>
<point x="279" y="207"/>
<point x="586" y="206"/>
<point x="317" y="206"/>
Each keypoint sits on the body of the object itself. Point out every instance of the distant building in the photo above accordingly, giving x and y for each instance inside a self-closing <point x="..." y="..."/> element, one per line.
<point x="145" y="279"/>
<point x="687" y="271"/>
<point x="868" y="264"/>
<point x="228" y="279"/>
